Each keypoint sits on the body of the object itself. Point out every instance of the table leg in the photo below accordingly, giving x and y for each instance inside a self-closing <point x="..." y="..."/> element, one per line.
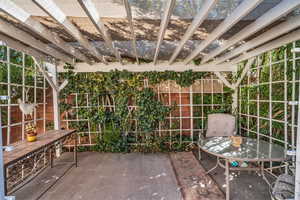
<point x="215" y="167"/>
<point x="75" y="149"/>
<point x="199" y="153"/>
<point x="227" y="179"/>
<point x="262" y="171"/>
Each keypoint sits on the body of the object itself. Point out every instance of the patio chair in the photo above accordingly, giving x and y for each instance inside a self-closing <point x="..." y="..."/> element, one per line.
<point x="218" y="125"/>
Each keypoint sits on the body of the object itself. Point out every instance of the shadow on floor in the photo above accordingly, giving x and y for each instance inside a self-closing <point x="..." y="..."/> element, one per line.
<point x="244" y="185"/>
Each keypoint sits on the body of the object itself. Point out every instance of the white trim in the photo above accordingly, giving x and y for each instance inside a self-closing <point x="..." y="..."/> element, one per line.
<point x="83" y="67"/>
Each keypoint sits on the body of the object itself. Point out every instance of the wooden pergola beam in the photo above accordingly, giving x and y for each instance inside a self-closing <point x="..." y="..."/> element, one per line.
<point x="266" y="19"/>
<point x="170" y="4"/>
<point x="15" y="44"/>
<point x="91" y="11"/>
<point x="129" y="18"/>
<point x="241" y="11"/>
<point x="164" y="66"/>
<point x="280" y="29"/>
<point x="16" y="33"/>
<point x="198" y="20"/>
<point x="56" y="13"/>
<point x="25" y="18"/>
<point x="290" y="37"/>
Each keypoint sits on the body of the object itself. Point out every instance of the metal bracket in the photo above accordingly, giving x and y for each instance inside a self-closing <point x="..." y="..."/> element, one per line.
<point x="293" y="103"/>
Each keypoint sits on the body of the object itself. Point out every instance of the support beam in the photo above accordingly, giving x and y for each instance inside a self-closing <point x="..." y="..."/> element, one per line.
<point x="13" y="10"/>
<point x="224" y="80"/>
<point x="244" y="72"/>
<point x="268" y="18"/>
<point x="241" y="11"/>
<point x="56" y="13"/>
<point x="56" y="114"/>
<point x="290" y="37"/>
<point x="83" y="67"/>
<point x="198" y="20"/>
<point x="129" y="18"/>
<point x="91" y="11"/>
<point x="170" y="4"/>
<point x="14" y="32"/>
<point x="45" y="74"/>
<point x="14" y="44"/>
<point x="280" y="29"/>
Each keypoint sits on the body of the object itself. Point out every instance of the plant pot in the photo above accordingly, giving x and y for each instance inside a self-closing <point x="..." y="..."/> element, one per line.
<point x="31" y="137"/>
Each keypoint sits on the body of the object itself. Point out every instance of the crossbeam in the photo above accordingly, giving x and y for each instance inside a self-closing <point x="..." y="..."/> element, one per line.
<point x="170" y="4"/>
<point x="18" y="34"/>
<point x="266" y="19"/>
<point x="180" y="67"/>
<point x="129" y="18"/>
<point x="91" y="11"/>
<point x="56" y="13"/>
<point x="290" y="37"/>
<point x="15" y="44"/>
<point x="241" y="11"/>
<point x="198" y="20"/>
<point x="13" y="10"/>
<point x="276" y="31"/>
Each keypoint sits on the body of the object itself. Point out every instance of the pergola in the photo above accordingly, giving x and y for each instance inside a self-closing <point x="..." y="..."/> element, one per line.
<point x="82" y="33"/>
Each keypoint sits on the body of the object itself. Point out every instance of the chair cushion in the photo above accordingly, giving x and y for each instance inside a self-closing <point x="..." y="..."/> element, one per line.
<point x="220" y="125"/>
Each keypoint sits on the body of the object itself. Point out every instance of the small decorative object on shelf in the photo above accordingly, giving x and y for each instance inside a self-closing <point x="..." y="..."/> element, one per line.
<point x="30" y="130"/>
<point x="236" y="141"/>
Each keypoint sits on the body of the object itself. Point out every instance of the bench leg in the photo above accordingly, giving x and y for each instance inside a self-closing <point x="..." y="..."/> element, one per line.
<point x="75" y="150"/>
<point x="51" y="157"/>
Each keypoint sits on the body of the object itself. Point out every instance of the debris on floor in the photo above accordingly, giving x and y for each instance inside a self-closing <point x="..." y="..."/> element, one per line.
<point x="195" y="185"/>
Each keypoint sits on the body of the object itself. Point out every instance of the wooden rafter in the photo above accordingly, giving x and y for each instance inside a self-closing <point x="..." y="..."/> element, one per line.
<point x="56" y="13"/>
<point x="241" y="11"/>
<point x="91" y="11"/>
<point x="129" y="17"/>
<point x="198" y="20"/>
<point x="26" y="38"/>
<point x="25" y="18"/>
<point x="276" y="31"/>
<point x="170" y="4"/>
<point x="266" y="19"/>
<point x="290" y="37"/>
<point x="15" y="44"/>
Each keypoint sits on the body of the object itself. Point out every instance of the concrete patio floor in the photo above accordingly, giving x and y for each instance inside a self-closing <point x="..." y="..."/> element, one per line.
<point x="134" y="176"/>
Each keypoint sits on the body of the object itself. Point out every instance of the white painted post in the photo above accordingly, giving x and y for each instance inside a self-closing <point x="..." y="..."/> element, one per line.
<point x="56" y="114"/>
<point x="53" y="70"/>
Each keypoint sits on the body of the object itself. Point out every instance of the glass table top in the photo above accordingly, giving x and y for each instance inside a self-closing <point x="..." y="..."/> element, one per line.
<point x="250" y="149"/>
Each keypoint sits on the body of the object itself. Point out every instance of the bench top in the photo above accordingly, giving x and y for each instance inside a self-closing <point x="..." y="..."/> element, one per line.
<point x="24" y="148"/>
